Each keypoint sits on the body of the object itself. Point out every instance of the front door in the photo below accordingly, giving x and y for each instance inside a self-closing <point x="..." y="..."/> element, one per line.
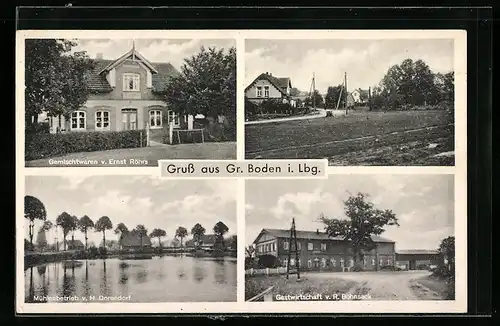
<point x="129" y="119"/>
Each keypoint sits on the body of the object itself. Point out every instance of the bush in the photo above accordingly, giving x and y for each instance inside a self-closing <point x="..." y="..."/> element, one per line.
<point x="390" y="268"/>
<point x="268" y="261"/>
<point x="38" y="128"/>
<point x="42" y="145"/>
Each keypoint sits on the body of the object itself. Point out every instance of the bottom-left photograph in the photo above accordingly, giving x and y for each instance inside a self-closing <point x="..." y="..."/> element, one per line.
<point x="129" y="239"/>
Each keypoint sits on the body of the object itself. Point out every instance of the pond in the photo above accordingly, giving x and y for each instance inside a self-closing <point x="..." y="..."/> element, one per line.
<point x="160" y="279"/>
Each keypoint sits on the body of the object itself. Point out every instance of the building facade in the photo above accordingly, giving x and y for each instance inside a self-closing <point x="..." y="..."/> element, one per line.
<point x="268" y="87"/>
<point x="360" y="96"/>
<point x="418" y="259"/>
<point x="318" y="251"/>
<point x="126" y="94"/>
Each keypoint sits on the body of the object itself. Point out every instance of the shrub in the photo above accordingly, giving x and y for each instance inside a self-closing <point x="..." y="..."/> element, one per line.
<point x="268" y="261"/>
<point x="42" y="145"/>
<point x="389" y="268"/>
<point x="38" y="128"/>
<point x="329" y="114"/>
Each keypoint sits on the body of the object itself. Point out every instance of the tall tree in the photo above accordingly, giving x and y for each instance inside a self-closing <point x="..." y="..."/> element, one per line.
<point x="47" y="226"/>
<point x="34" y="209"/>
<point x="332" y="97"/>
<point x="315" y="99"/>
<point x="447" y="250"/>
<point x="141" y="231"/>
<point x="55" y="78"/>
<point x="74" y="227"/>
<point x="363" y="221"/>
<point x="84" y="224"/>
<point x="158" y="233"/>
<point x="66" y="222"/>
<point x="206" y="84"/>
<point x="197" y="232"/>
<point x="102" y="225"/>
<point x="220" y="229"/>
<point x="181" y="233"/>
<point x="250" y="251"/>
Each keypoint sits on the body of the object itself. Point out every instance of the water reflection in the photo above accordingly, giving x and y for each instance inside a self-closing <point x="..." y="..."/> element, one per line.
<point x="192" y="279"/>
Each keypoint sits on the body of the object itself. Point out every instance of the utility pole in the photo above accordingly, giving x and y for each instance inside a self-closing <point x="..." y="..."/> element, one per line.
<point x="293" y="239"/>
<point x="314" y="92"/>
<point x="369" y="98"/>
<point x="346" y="93"/>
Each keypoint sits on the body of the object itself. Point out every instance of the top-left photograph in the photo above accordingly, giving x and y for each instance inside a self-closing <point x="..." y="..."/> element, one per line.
<point x="126" y="102"/>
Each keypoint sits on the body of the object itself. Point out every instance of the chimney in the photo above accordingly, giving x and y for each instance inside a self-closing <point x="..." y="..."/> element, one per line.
<point x="317" y="231"/>
<point x="267" y="72"/>
<point x="99" y="56"/>
<point x="270" y="74"/>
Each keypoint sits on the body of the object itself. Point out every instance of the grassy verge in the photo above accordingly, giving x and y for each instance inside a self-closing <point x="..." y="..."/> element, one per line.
<point x="442" y="288"/>
<point x="257" y="284"/>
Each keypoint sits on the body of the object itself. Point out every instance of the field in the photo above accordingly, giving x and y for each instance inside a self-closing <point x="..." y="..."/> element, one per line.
<point x="360" y="138"/>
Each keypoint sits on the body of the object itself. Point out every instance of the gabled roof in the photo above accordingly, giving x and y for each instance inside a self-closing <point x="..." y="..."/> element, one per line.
<point x="311" y="235"/>
<point x="417" y="252"/>
<point x="129" y="54"/>
<point x="97" y="81"/>
<point x="131" y="240"/>
<point x="74" y="243"/>
<point x="206" y="239"/>
<point x="361" y="91"/>
<point x="280" y="84"/>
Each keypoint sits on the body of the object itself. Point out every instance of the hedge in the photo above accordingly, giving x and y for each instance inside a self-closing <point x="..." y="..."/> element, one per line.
<point x="43" y="145"/>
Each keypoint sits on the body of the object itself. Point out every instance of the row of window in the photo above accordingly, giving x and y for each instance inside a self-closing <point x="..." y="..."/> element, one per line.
<point x="332" y="262"/>
<point x="259" y="91"/>
<point x="129" y="119"/>
<point x="310" y="246"/>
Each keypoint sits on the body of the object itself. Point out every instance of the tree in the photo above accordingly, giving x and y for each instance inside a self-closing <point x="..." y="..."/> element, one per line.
<point x="181" y="233"/>
<point x="42" y="239"/>
<point x="140" y="231"/>
<point x="219" y="230"/>
<point x="84" y="224"/>
<point x="66" y="222"/>
<point x="121" y="228"/>
<point x="447" y="250"/>
<point x="158" y="233"/>
<point x="294" y="91"/>
<point x="206" y="85"/>
<point x="103" y="224"/>
<point x="197" y="232"/>
<point x="74" y="227"/>
<point x="363" y="221"/>
<point x="250" y="251"/>
<point x="315" y="100"/>
<point x="55" y="80"/>
<point x="33" y="210"/>
<point x="332" y="97"/>
<point x="175" y="243"/>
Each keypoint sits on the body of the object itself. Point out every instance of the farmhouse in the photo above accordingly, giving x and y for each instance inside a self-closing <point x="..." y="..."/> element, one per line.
<point x="266" y="87"/>
<point x="206" y="242"/>
<point x="418" y="258"/>
<point x="125" y="95"/>
<point x="318" y="251"/>
<point x="131" y="241"/>
<point x="72" y="245"/>
<point x="360" y="96"/>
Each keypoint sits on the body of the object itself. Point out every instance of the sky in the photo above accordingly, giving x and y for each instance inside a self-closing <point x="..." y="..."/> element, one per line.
<point x="134" y="200"/>
<point x="423" y="204"/>
<point x="154" y="50"/>
<point x="364" y="61"/>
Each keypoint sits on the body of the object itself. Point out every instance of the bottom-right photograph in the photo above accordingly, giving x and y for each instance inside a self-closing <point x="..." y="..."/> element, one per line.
<point x="350" y="237"/>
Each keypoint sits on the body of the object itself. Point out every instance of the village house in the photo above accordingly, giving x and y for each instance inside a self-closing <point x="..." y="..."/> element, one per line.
<point x="130" y="241"/>
<point x="360" y="96"/>
<point x="126" y="94"/>
<point x="318" y="251"/>
<point x="413" y="259"/>
<point x="205" y="242"/>
<point x="72" y="245"/>
<point x="268" y="87"/>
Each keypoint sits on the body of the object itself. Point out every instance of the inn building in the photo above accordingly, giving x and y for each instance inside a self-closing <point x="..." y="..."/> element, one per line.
<point x="318" y="251"/>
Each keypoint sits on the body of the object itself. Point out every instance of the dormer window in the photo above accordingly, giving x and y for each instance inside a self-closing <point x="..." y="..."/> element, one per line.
<point x="131" y="82"/>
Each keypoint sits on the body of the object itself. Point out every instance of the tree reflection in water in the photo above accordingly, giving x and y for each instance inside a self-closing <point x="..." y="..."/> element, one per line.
<point x="68" y="287"/>
<point x="220" y="272"/>
<point x="181" y="274"/>
<point x="42" y="272"/>
<point x="86" y="283"/>
<point x="123" y="273"/>
<point x="199" y="273"/>
<point x="105" y="284"/>
<point x="142" y="276"/>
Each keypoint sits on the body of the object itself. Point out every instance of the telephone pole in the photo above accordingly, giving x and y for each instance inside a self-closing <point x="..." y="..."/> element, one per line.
<point x="293" y="239"/>
<point x="314" y="92"/>
<point x="346" y="94"/>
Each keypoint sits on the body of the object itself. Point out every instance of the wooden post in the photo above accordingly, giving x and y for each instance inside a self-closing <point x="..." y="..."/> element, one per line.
<point x="171" y="132"/>
<point x="140" y="138"/>
<point x="346" y="93"/>
<point x="148" y="135"/>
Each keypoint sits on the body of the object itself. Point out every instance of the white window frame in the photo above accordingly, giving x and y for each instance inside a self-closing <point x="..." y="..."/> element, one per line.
<point x="342" y="263"/>
<point x="351" y="262"/>
<point x="285" y="245"/>
<point x="364" y="261"/>
<point x="285" y="262"/>
<point x="334" y="262"/>
<point x="323" y="246"/>
<point x="309" y="263"/>
<point x="299" y="246"/>
<point x="323" y="262"/>
<point x="389" y="261"/>
<point x="381" y="262"/>
<point x="259" y="91"/>
<point x="102" y="112"/>
<point x="266" y="91"/>
<point x="155" y="113"/>
<point x="78" y="117"/>
<point x="136" y="78"/>
<point x="292" y="262"/>
<point x="174" y="117"/>
<point x="373" y="261"/>
<point x="310" y="246"/>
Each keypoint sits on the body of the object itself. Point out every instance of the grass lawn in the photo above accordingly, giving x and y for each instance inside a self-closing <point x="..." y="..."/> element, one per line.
<point x="333" y="137"/>
<point x="256" y="284"/>
<point x="439" y="285"/>
<point x="148" y="156"/>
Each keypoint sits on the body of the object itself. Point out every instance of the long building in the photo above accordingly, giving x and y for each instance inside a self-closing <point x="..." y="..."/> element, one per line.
<point x="318" y="251"/>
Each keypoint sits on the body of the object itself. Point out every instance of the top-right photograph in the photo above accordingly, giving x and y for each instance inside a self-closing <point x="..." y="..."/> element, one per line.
<point x="355" y="102"/>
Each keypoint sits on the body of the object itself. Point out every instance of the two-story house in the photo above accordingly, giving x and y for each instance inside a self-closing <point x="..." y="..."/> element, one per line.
<point x="126" y="94"/>
<point x="266" y="87"/>
<point x="360" y="96"/>
<point x="318" y="251"/>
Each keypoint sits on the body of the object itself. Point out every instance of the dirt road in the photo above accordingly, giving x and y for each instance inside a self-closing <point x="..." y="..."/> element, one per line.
<point x="386" y="285"/>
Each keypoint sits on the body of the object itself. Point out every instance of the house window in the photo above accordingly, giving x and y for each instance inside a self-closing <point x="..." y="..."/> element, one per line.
<point x="259" y="91"/>
<point x="285" y="262"/>
<point x="129" y="119"/>
<point x="155" y="118"/>
<point x="323" y="262"/>
<point x="373" y="261"/>
<point x="285" y="245"/>
<point x="323" y="246"/>
<point x="102" y="120"/>
<point x="310" y="246"/>
<point x="388" y="261"/>
<point x="292" y="262"/>
<point x="381" y="262"/>
<point x="309" y="263"/>
<point x="342" y="262"/>
<point x="174" y="118"/>
<point x="78" y="120"/>
<point x="266" y="91"/>
<point x="364" y="261"/>
<point x="299" y="246"/>
<point x="298" y="262"/>
<point x="334" y="263"/>
<point x="351" y="262"/>
<point x="131" y="82"/>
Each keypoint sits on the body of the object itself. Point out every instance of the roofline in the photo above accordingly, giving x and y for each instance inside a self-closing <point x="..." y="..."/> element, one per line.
<point x="123" y="57"/>
<point x="272" y="83"/>
<point x="299" y="237"/>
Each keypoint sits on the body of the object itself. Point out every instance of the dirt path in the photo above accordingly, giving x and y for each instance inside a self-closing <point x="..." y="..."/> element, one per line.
<point x="386" y="285"/>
